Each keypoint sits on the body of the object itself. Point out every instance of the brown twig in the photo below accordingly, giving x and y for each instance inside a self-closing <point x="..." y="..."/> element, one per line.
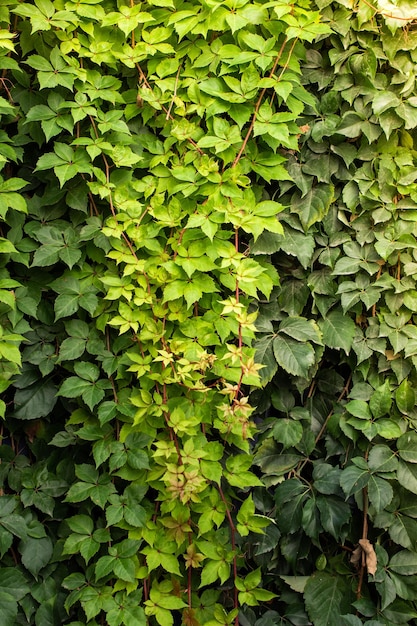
<point x="411" y="18"/>
<point x="326" y="421"/>
<point x="174" y="95"/>
<point x="261" y="96"/>
<point x="167" y="112"/>
<point x="233" y="541"/>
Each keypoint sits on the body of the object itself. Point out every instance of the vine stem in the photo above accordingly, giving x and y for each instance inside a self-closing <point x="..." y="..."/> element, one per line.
<point x="167" y="112"/>
<point x="326" y="421"/>
<point x="411" y="18"/>
<point x="172" y="434"/>
<point x="262" y="94"/>
<point x="233" y="541"/>
<point x="189" y="577"/>
<point x="364" y="535"/>
<point x="174" y="95"/>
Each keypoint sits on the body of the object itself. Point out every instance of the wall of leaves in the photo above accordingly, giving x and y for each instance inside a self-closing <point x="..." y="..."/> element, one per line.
<point x="208" y="414"/>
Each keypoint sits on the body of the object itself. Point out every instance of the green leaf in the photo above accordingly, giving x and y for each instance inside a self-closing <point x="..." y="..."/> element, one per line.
<point x="380" y="492"/>
<point x="404" y="562"/>
<point x="353" y="479"/>
<point x="359" y="408"/>
<point x="81" y="524"/>
<point x="407" y="476"/>
<point x="73" y="387"/>
<point x="301" y="329"/>
<point x="294" y="357"/>
<point x="382" y="459"/>
<point x="265" y="356"/>
<point x="299" y="245"/>
<point x="405" y="397"/>
<point x="66" y="304"/>
<point x="334" y="514"/>
<point x="71" y="348"/>
<point x="35" y="401"/>
<point x="13" y="582"/>
<point x="313" y="206"/>
<point x="8" y="609"/>
<point x="326" y="478"/>
<point x="407" y="446"/>
<point x="383" y="101"/>
<point x="338" y="331"/>
<point x="381" y="400"/>
<point x="35" y="553"/>
<point x="323" y="595"/>
<point x="288" y="432"/>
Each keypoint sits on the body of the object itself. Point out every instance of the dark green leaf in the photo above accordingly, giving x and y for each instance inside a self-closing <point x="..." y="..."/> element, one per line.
<point x="407" y="446"/>
<point x="338" y="331"/>
<point x="312" y="207"/>
<point x="294" y="357"/>
<point x="35" y="553"/>
<point x="35" y="401"/>
<point x="323" y="596"/>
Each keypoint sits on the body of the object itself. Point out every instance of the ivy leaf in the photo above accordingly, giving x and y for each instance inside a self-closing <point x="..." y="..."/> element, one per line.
<point x="265" y="355"/>
<point x="334" y="514"/>
<point x="407" y="476"/>
<point x="8" y="608"/>
<point x="301" y="329"/>
<point x="385" y="100"/>
<point x="380" y="492"/>
<point x="404" y="562"/>
<point x="36" y="553"/>
<point x="405" y="397"/>
<point x="381" y="400"/>
<point x="288" y="432"/>
<point x="354" y="479"/>
<point x="338" y="331"/>
<point x="299" y="245"/>
<point x="35" y="401"/>
<point x="294" y="357"/>
<point x="323" y="595"/>
<point x="407" y="447"/>
<point x="13" y="582"/>
<point x="382" y="459"/>
<point x="314" y="205"/>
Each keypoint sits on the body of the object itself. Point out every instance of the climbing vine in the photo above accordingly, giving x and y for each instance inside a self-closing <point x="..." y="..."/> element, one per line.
<point x="338" y="335"/>
<point x="208" y="412"/>
<point x="139" y="143"/>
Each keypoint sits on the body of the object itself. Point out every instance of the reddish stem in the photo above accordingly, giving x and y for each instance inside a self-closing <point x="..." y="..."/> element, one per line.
<point x="233" y="541"/>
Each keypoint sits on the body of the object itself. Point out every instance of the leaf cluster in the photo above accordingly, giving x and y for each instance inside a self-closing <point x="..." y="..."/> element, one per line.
<point x="136" y="150"/>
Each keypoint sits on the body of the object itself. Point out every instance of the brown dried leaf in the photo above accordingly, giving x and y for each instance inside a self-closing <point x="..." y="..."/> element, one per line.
<point x="371" y="560"/>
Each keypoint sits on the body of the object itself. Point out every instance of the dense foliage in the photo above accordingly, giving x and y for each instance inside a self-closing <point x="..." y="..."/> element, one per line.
<point x="339" y="341"/>
<point x="208" y="412"/>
